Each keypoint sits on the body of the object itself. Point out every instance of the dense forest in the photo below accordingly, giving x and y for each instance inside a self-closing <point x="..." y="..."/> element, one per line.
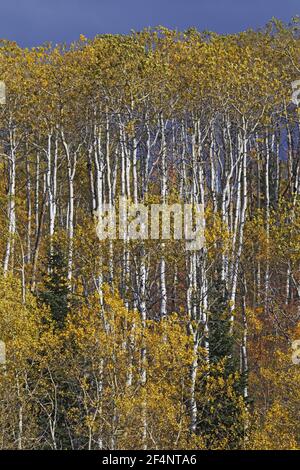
<point x="144" y="344"/>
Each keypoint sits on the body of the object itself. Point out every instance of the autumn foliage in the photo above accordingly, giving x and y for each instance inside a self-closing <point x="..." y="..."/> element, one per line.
<point x="144" y="344"/>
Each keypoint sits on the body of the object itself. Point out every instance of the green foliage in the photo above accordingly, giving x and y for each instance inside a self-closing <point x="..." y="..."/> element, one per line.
<point x="55" y="293"/>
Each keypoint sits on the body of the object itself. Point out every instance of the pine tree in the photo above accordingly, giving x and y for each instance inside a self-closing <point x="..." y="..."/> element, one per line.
<point x="222" y="416"/>
<point x="221" y="341"/>
<point x="56" y="290"/>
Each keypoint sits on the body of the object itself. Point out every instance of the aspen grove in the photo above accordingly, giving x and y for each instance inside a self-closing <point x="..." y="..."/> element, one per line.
<point x="144" y="344"/>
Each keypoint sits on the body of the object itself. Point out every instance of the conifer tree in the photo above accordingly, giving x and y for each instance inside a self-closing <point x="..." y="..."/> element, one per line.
<point x="55" y="292"/>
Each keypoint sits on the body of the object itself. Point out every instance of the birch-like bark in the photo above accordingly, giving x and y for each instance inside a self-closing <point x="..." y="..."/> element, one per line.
<point x="11" y="205"/>
<point x="163" y="288"/>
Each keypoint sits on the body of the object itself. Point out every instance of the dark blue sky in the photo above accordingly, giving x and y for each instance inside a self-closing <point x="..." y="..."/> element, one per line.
<point x="31" y="22"/>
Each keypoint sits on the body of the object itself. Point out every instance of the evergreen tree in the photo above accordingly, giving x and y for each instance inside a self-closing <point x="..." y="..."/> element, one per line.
<point x="56" y="290"/>
<point x="222" y="417"/>
<point x="221" y="341"/>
